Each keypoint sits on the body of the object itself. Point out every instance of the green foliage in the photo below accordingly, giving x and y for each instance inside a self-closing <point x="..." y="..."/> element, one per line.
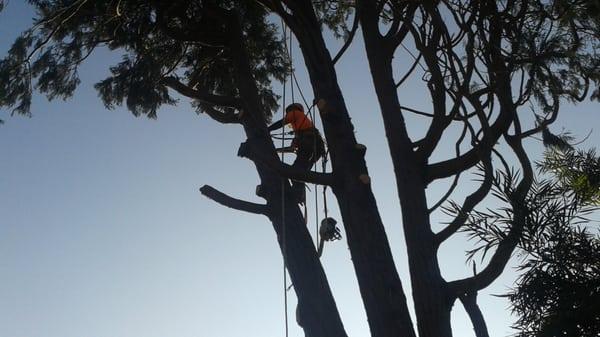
<point x="14" y="76"/>
<point x="133" y="81"/>
<point x="156" y="39"/>
<point x="558" y="142"/>
<point x="577" y="173"/>
<point x="334" y="14"/>
<point x="556" y="44"/>
<point x="543" y="207"/>
<point x="488" y="227"/>
<point x="559" y="292"/>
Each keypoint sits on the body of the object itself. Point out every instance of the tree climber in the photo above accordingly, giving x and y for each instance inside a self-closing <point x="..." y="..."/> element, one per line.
<point x="307" y="143"/>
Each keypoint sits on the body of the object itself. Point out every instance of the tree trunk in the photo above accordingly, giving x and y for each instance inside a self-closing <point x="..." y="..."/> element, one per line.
<point x="379" y="283"/>
<point x="430" y="295"/>
<point x="320" y="317"/>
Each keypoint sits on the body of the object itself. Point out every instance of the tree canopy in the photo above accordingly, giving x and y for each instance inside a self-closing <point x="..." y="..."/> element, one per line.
<point x="558" y="291"/>
<point x="158" y="47"/>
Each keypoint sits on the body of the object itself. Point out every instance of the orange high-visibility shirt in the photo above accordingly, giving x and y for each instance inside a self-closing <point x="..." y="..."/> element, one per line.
<point x="298" y="120"/>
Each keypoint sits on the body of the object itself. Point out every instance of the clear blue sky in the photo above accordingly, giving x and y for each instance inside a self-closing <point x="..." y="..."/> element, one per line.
<point x="103" y="232"/>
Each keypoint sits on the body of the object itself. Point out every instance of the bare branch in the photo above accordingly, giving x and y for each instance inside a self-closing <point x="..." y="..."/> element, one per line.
<point x="410" y="71"/>
<point x="441" y="121"/>
<point x="509" y="242"/>
<point x="544" y="123"/>
<point x="499" y="75"/>
<point x="399" y="34"/>
<point x="469" y="204"/>
<point x="231" y="202"/>
<point x="277" y="7"/>
<point x="415" y="111"/>
<point x="349" y="40"/>
<point x="251" y="150"/>
<point x="226" y="101"/>
<point x="396" y="21"/>
<point x="472" y="157"/>
<point x="447" y="194"/>
<point x="229" y="117"/>
<point x="437" y="89"/>
<point x="457" y="176"/>
<point x="469" y="302"/>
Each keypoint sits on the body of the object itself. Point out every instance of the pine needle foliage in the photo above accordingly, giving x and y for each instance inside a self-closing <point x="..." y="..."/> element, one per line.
<point x="156" y="39"/>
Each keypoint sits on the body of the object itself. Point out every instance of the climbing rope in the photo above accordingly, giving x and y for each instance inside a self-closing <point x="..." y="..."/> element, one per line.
<point x="328" y="231"/>
<point x="311" y="113"/>
<point x="283" y="183"/>
<point x="325" y="223"/>
<point x="289" y="49"/>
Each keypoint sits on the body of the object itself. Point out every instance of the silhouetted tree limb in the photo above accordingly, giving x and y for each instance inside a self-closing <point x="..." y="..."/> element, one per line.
<point x="348" y="41"/>
<point x="509" y="241"/>
<point x="180" y="87"/>
<point x="469" y="204"/>
<point x="456" y="177"/>
<point x="231" y="202"/>
<point x="253" y="151"/>
<point x="469" y="301"/>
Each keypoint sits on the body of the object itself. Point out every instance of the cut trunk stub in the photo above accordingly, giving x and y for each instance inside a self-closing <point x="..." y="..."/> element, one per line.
<point x="365" y="179"/>
<point x="243" y="150"/>
<point x="322" y="105"/>
<point x="260" y="191"/>
<point x="362" y="149"/>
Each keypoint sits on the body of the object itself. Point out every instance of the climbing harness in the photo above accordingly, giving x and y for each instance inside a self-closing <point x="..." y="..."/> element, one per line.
<point x="283" y="135"/>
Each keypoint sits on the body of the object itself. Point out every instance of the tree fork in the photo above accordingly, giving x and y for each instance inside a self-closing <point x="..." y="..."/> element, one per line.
<point x="320" y="317"/>
<point x="432" y="301"/>
<point x="379" y="283"/>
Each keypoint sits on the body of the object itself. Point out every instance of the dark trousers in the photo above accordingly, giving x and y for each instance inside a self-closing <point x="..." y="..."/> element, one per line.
<point x="309" y="149"/>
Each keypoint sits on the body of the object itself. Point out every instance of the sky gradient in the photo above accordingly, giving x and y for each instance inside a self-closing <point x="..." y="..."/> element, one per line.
<point x="103" y="232"/>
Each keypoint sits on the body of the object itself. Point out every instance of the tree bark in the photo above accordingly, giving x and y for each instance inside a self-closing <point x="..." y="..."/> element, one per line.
<point x="379" y="283"/>
<point x="320" y="317"/>
<point x="432" y="301"/>
<point x="469" y="302"/>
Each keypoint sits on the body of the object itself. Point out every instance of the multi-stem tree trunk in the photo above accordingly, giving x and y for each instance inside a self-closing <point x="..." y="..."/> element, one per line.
<point x="378" y="279"/>
<point x="432" y="301"/>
